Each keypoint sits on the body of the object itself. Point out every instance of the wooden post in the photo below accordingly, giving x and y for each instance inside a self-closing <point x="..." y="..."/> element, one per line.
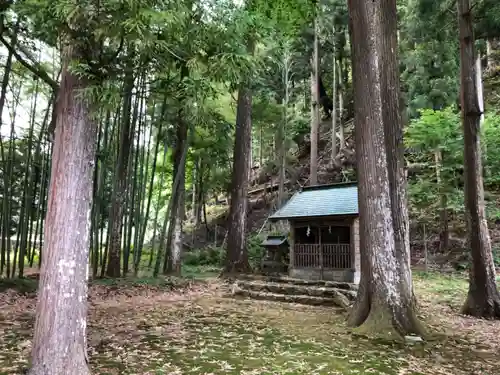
<point x="352" y="245"/>
<point x="291" y="243"/>
<point x="320" y="252"/>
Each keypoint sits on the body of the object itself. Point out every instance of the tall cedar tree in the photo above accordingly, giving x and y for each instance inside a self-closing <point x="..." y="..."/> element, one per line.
<point x="315" y="98"/>
<point x="483" y="299"/>
<point x="385" y="303"/>
<point x="172" y="262"/>
<point x="237" y="254"/>
<point x="59" y="346"/>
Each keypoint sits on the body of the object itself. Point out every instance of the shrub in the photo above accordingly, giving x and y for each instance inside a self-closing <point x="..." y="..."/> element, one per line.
<point x="214" y="256"/>
<point x="255" y="251"/>
<point x="208" y="256"/>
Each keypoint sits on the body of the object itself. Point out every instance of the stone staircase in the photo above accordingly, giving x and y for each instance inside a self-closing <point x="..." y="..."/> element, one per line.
<point x="285" y="289"/>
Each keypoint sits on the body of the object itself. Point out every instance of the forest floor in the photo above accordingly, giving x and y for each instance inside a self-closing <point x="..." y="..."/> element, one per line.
<point x="193" y="329"/>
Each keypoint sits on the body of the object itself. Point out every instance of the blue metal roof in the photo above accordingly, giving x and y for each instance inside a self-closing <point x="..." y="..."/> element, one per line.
<point x="322" y="200"/>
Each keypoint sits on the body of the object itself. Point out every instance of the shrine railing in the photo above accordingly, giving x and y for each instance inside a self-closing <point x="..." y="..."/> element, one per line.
<point x="330" y="256"/>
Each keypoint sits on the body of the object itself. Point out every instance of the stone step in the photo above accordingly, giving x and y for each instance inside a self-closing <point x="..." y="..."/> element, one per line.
<point x="289" y="280"/>
<point x="301" y="299"/>
<point x="292" y="289"/>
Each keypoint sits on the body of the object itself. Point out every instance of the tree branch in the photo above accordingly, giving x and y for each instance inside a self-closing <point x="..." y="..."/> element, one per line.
<point x="33" y="67"/>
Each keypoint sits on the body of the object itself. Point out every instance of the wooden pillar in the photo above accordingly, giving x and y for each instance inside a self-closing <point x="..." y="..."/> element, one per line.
<point x="291" y="242"/>
<point x="352" y="245"/>
<point x="320" y="253"/>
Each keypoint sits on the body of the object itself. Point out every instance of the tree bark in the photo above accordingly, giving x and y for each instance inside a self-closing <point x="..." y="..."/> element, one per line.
<point x="59" y="345"/>
<point x="313" y="175"/>
<point x="483" y="299"/>
<point x="172" y="263"/>
<point x="169" y="212"/>
<point x="385" y="305"/>
<point x="177" y="240"/>
<point x="237" y="254"/>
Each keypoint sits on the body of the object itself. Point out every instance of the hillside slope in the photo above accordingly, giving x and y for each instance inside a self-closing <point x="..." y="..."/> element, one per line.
<point x="264" y="184"/>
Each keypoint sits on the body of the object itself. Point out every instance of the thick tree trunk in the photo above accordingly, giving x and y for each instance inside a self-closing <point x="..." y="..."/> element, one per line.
<point x="237" y="254"/>
<point x="177" y="239"/>
<point x="168" y="214"/>
<point x="483" y="299"/>
<point x="59" y="345"/>
<point x="313" y="176"/>
<point x="172" y="264"/>
<point x="385" y="305"/>
<point x="120" y="184"/>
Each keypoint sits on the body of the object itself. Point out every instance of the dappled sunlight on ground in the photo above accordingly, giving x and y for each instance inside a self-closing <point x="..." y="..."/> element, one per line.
<point x="196" y="330"/>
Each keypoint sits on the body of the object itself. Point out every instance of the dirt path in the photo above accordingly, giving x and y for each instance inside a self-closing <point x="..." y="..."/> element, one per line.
<point x="198" y="331"/>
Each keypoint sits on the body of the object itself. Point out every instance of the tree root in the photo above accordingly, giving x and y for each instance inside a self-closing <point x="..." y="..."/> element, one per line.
<point x="487" y="308"/>
<point x="384" y="323"/>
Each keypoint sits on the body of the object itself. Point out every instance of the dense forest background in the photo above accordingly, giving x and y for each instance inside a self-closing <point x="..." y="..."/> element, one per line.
<point x="164" y="87"/>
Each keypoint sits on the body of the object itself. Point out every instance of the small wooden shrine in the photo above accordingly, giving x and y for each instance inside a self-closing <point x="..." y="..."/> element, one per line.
<point x="276" y="254"/>
<point x="323" y="242"/>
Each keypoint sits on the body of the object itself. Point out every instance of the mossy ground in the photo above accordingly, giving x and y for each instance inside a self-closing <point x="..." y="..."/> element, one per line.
<point x="144" y="329"/>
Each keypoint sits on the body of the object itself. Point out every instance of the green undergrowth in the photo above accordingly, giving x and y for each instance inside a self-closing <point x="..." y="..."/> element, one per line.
<point x="441" y="287"/>
<point x="214" y="255"/>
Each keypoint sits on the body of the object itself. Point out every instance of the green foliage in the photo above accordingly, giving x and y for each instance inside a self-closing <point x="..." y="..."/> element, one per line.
<point x="490" y="142"/>
<point x="436" y="130"/>
<point x="208" y="256"/>
<point x="435" y="145"/>
<point x="429" y="57"/>
<point x="440" y="132"/>
<point x="255" y="251"/>
<point x="214" y="255"/>
<point x="496" y="256"/>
